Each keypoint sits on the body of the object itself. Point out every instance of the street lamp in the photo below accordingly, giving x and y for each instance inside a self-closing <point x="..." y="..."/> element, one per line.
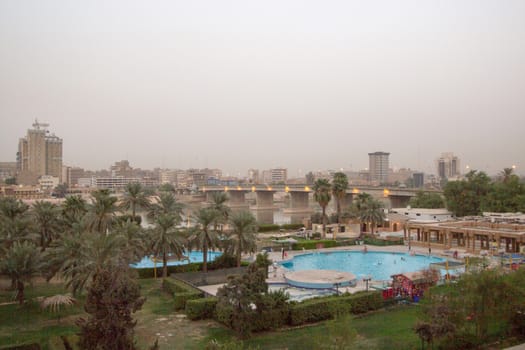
<point x="366" y="280"/>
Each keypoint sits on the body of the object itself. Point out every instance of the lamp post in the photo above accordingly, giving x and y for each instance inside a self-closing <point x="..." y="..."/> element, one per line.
<point x="337" y="285"/>
<point x="366" y="280"/>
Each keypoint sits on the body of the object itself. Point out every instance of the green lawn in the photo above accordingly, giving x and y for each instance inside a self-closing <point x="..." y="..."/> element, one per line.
<point x="385" y="329"/>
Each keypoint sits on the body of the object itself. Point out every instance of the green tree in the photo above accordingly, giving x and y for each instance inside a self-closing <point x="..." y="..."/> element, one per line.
<point x="73" y="210"/>
<point x="167" y="204"/>
<point x="60" y="191"/>
<point x="15" y="222"/>
<point x="166" y="239"/>
<point x="244" y="226"/>
<point x="10" y="181"/>
<point x="101" y="211"/>
<point x="339" y="187"/>
<point x="134" y="198"/>
<point x="372" y="213"/>
<point x="111" y="300"/>
<point x="359" y="206"/>
<point x="427" y="200"/>
<point x="465" y="197"/>
<point x="322" y="195"/>
<point x="47" y="220"/>
<point x="21" y="262"/>
<point x="203" y="235"/>
<point x="218" y="203"/>
<point x="505" y="195"/>
<point x="135" y="240"/>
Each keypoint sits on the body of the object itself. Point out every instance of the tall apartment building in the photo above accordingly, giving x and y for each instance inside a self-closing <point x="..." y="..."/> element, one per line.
<point x="279" y="175"/>
<point x="39" y="154"/>
<point x="378" y="167"/>
<point x="448" y="166"/>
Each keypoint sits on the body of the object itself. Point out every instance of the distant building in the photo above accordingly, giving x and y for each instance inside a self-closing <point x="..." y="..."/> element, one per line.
<point x="419" y="180"/>
<point x="253" y="176"/>
<point x="279" y="175"/>
<point x="7" y="170"/>
<point x="39" y="154"/>
<point x="48" y="182"/>
<point x="378" y="168"/>
<point x="70" y="175"/>
<point x="448" y="166"/>
<point x="121" y="169"/>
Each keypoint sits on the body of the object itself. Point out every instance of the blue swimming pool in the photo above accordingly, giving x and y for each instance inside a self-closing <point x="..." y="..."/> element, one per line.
<point x="195" y="256"/>
<point x="378" y="265"/>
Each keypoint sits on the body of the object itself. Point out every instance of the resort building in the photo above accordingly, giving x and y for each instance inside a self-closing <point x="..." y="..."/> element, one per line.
<point x="473" y="236"/>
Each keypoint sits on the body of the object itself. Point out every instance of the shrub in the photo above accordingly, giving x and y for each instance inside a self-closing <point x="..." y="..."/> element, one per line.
<point x="319" y="309"/>
<point x="313" y="244"/>
<point x="181" y="291"/>
<point x="382" y="242"/>
<point x="268" y="227"/>
<point x="199" y="309"/>
<point x="224" y="261"/>
<point x="291" y="226"/>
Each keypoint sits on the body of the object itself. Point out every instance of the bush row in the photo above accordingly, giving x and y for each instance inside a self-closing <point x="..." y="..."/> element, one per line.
<point x="181" y="291"/>
<point x="275" y="227"/>
<point x="382" y="242"/>
<point x="222" y="262"/>
<point x="319" y="309"/>
<point x="199" y="309"/>
<point x="326" y="243"/>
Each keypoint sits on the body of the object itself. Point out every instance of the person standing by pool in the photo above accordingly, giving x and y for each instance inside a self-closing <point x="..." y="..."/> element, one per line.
<point x="429" y="250"/>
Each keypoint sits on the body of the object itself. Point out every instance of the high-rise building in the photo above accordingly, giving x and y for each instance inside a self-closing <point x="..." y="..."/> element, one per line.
<point x="447" y="166"/>
<point x="39" y="154"/>
<point x="378" y="168"/>
<point x="419" y="179"/>
<point x="279" y="175"/>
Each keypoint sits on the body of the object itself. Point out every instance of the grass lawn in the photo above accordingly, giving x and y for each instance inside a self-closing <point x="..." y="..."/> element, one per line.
<point x="385" y="329"/>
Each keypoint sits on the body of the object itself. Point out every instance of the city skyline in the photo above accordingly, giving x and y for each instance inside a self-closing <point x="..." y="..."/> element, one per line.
<point x="307" y="86"/>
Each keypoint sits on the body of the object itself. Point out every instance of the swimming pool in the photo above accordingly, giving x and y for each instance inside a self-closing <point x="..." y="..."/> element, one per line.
<point x="194" y="257"/>
<point x="377" y="265"/>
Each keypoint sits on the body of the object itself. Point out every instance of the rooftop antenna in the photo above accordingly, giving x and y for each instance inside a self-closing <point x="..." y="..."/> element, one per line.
<point x="37" y="125"/>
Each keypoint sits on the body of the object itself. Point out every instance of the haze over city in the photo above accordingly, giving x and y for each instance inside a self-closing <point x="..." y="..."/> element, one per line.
<point x="237" y="85"/>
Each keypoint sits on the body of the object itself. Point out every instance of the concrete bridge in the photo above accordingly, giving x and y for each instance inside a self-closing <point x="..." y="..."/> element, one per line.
<point x="392" y="197"/>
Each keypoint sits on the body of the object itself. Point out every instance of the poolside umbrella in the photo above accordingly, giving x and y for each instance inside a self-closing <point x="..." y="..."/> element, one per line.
<point x="53" y="303"/>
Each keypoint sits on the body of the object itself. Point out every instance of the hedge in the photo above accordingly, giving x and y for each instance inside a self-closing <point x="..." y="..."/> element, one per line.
<point x="291" y="226"/>
<point x="199" y="309"/>
<point x="181" y="291"/>
<point x="319" y="309"/>
<point x="381" y="242"/>
<point x="312" y="244"/>
<point x="28" y="346"/>
<point x="221" y="262"/>
<point x="268" y="227"/>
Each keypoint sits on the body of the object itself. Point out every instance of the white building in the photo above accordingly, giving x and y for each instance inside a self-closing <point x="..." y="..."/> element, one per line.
<point x="48" y="182"/>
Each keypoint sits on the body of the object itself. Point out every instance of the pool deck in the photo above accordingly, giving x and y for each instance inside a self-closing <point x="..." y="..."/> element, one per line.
<point x="276" y="273"/>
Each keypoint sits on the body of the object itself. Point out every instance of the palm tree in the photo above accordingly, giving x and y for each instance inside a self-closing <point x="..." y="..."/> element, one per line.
<point x="339" y="187"/>
<point x="358" y="208"/>
<point x="47" y="219"/>
<point x="22" y="261"/>
<point x="101" y="211"/>
<point x="322" y="195"/>
<point x="506" y="174"/>
<point x="244" y="225"/>
<point x="203" y="236"/>
<point x="73" y="209"/>
<point x="134" y="197"/>
<point x="135" y="240"/>
<point x="15" y="222"/>
<point x="372" y="213"/>
<point x="167" y="204"/>
<point x="77" y="256"/>
<point x="165" y="238"/>
<point x="218" y="203"/>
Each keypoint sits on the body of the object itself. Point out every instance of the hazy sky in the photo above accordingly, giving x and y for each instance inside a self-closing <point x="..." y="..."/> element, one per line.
<point x="257" y="84"/>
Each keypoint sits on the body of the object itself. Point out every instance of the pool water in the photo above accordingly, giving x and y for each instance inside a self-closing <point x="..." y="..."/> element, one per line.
<point x="377" y="265"/>
<point x="194" y="257"/>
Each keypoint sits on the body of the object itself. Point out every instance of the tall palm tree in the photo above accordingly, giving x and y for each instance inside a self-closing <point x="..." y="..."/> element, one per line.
<point x="15" y="221"/>
<point x="134" y="197"/>
<point x="166" y="239"/>
<point x="77" y="256"/>
<point x="101" y="211"/>
<point x="167" y="204"/>
<point x="203" y="235"/>
<point x="506" y="174"/>
<point x="73" y="209"/>
<point x="339" y="187"/>
<point x="244" y="226"/>
<point x="135" y="239"/>
<point x="47" y="220"/>
<point x="22" y="261"/>
<point x="218" y="203"/>
<point x="322" y="195"/>
<point x="372" y="213"/>
<point x="358" y="208"/>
